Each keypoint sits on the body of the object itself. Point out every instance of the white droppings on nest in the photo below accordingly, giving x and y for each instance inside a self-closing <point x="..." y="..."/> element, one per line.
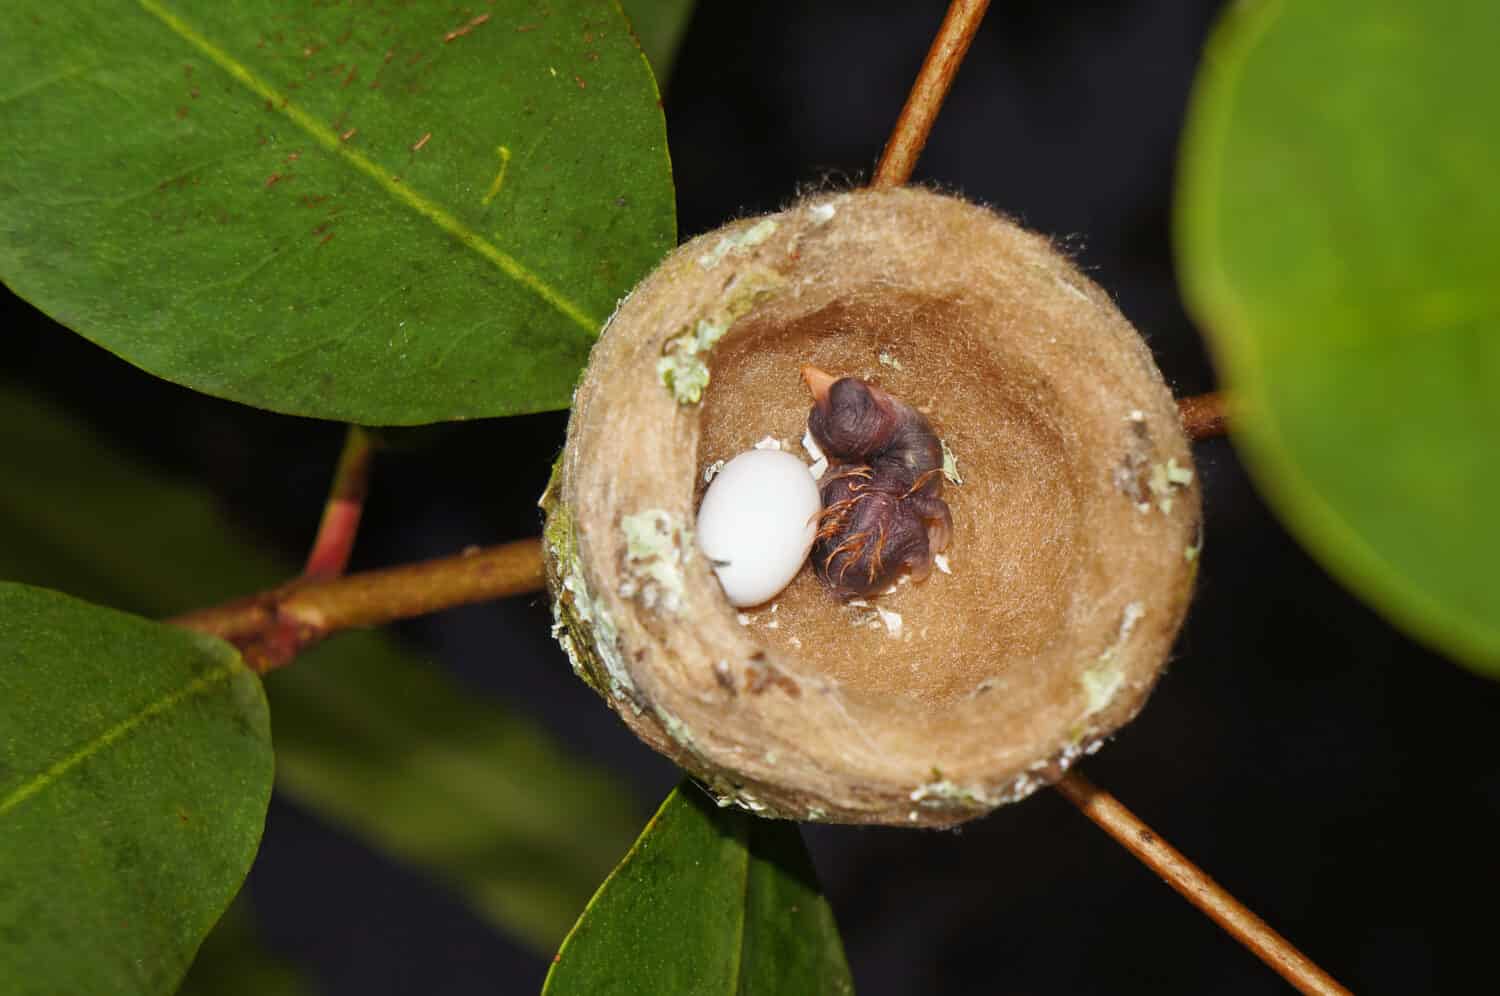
<point x="712" y="471"/>
<point x="901" y="582"/>
<point x="984" y="686"/>
<point x="1104" y="678"/>
<point x="822" y="214"/>
<point x="768" y="443"/>
<point x="1067" y="286"/>
<point x="773" y="624"/>
<point x="941" y="792"/>
<point x="950" y="463"/>
<point x="940" y="561"/>
<point x="857" y="603"/>
<point x="1191" y="552"/>
<point x="795" y="642"/>
<point x="892" y="621"/>
<point x="749" y="803"/>
<point x="820" y="461"/>
<point x="888" y="360"/>
<point x="739" y="241"/>
<point x="744" y="619"/>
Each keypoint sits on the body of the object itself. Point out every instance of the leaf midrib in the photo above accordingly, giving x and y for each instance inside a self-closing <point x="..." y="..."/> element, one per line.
<point x="48" y="776"/>
<point x="361" y="163"/>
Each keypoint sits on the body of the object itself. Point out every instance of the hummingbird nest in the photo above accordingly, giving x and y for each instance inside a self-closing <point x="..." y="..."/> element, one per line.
<point x="1074" y="532"/>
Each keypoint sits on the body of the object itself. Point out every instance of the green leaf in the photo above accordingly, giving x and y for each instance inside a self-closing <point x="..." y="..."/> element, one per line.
<point x="367" y="734"/>
<point x="135" y="769"/>
<point x="232" y="962"/>
<point x="708" y="901"/>
<point x="1337" y="228"/>
<point x="660" y="25"/>
<point x="387" y="215"/>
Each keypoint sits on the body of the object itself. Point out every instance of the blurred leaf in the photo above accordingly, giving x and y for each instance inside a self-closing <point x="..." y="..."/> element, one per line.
<point x="366" y="734"/>
<point x="232" y="962"/>
<point x="708" y="900"/>
<point x="135" y="769"/>
<point x="660" y="25"/>
<point x="1336" y="226"/>
<point x="398" y="755"/>
<point x="388" y="215"/>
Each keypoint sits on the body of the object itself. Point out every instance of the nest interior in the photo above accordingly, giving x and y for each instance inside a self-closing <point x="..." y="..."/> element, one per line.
<point x="1015" y="552"/>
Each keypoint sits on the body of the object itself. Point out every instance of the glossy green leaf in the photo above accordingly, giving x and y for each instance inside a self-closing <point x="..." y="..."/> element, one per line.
<point x="367" y="734"/>
<point x="708" y="901"/>
<point x="135" y="769"/>
<point x="660" y="25"/>
<point x="389" y="214"/>
<point x="1336" y="226"/>
<point x="233" y="962"/>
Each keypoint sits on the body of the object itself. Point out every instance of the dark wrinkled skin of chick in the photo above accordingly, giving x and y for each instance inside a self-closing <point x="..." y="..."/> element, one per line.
<point x="883" y="511"/>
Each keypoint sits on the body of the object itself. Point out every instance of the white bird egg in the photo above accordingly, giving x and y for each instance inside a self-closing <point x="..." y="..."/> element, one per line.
<point x="756" y="523"/>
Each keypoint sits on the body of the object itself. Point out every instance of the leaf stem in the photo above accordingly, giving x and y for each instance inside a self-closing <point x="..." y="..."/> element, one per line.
<point x="272" y="627"/>
<point x="1196" y="887"/>
<point x="346" y="501"/>
<point x="926" y="99"/>
<point x="1204" y="415"/>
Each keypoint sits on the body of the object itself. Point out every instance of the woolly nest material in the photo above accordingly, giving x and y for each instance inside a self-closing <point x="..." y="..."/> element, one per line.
<point x="1075" y="528"/>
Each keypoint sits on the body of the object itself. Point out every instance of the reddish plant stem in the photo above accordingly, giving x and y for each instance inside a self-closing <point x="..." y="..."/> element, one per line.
<point x="346" y="502"/>
<point x="272" y="627"/>
<point x="927" y="93"/>
<point x="1196" y="887"/>
<point x="1204" y="415"/>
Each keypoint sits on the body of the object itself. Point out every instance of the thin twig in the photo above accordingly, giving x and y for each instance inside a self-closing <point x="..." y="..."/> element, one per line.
<point x="346" y="502"/>
<point x="1203" y="416"/>
<point x="1195" y="886"/>
<point x="927" y="93"/>
<point x="272" y="627"/>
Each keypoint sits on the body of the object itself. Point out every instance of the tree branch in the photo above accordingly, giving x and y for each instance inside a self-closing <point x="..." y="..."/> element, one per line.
<point x="1196" y="887"/>
<point x="1204" y="416"/>
<point x="272" y="627"/>
<point x="927" y="93"/>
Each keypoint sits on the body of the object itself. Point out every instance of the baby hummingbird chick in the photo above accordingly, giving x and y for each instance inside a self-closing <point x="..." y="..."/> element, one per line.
<point x="883" y="510"/>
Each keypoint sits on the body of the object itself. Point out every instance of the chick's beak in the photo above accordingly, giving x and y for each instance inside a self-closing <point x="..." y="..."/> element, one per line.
<point x="818" y="383"/>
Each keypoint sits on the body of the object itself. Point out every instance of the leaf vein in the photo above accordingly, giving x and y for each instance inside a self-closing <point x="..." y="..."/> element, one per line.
<point x="43" y="779"/>
<point x="326" y="137"/>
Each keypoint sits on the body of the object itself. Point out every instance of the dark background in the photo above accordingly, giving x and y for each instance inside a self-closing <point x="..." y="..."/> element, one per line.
<point x="1332" y="774"/>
